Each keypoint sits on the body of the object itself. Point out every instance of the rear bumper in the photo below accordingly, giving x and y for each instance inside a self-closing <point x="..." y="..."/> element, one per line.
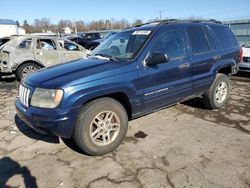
<point x="244" y="67"/>
<point x="59" y="122"/>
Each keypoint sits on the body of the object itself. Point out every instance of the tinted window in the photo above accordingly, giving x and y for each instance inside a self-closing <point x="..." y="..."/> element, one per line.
<point x="225" y="37"/>
<point x="170" y="42"/>
<point x="210" y="39"/>
<point x="198" y="40"/>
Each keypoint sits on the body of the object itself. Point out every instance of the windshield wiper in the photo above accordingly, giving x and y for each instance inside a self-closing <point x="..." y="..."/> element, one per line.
<point x="109" y="57"/>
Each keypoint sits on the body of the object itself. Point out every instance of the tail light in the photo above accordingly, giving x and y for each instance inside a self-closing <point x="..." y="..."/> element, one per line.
<point x="241" y="55"/>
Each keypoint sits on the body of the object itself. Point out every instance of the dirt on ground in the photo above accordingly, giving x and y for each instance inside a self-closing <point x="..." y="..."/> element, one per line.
<point x="182" y="146"/>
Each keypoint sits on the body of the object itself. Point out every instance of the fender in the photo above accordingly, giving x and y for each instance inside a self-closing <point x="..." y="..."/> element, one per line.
<point x="77" y="96"/>
<point x="222" y="64"/>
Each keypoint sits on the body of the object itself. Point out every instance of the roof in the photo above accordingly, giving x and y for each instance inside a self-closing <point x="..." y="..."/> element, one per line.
<point x="156" y="23"/>
<point x="7" y="22"/>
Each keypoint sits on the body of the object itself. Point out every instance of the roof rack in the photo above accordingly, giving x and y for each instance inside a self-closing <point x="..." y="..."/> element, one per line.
<point x="167" y="21"/>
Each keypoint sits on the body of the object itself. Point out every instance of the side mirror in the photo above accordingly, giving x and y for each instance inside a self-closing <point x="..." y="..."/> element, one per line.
<point x="156" y="58"/>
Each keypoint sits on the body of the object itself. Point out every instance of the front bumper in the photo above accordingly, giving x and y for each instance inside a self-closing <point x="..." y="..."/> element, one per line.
<point x="244" y="66"/>
<point x="59" y="122"/>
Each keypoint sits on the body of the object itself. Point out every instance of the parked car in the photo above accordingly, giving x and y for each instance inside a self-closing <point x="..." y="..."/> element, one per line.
<point x="85" y="39"/>
<point x="79" y="40"/>
<point x="93" y="44"/>
<point x="92" y="36"/>
<point x="245" y="64"/>
<point x="157" y="65"/>
<point x="21" y="55"/>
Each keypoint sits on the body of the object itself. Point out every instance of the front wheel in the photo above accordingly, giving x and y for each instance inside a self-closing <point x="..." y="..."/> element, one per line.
<point x="25" y="69"/>
<point x="101" y="126"/>
<point x="219" y="92"/>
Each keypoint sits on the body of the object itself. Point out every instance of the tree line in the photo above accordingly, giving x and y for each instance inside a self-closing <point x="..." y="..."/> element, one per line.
<point x="45" y="25"/>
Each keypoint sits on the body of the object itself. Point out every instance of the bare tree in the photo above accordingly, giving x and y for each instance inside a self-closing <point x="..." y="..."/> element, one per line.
<point x="64" y="23"/>
<point x="80" y="25"/>
<point x="43" y="25"/>
<point x="137" y="22"/>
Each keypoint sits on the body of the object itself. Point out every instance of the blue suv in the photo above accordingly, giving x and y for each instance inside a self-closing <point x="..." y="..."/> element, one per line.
<point x="134" y="72"/>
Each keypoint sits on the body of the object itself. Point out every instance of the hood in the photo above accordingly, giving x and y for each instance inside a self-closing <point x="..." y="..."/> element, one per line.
<point x="76" y="72"/>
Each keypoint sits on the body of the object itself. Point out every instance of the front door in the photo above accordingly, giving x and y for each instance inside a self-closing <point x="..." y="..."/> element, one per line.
<point x="71" y="51"/>
<point x="169" y="82"/>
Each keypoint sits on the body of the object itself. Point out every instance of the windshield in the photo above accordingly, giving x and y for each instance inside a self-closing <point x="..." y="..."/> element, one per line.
<point x="124" y="45"/>
<point x="109" y="35"/>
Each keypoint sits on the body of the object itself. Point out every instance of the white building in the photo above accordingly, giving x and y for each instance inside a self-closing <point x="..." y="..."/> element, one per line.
<point x="67" y="30"/>
<point x="9" y="27"/>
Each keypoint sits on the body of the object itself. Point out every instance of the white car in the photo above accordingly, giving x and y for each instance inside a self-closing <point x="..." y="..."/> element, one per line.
<point x="21" y="55"/>
<point x="245" y="64"/>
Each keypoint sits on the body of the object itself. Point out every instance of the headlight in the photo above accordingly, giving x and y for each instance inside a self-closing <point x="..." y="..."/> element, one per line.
<point x="46" y="98"/>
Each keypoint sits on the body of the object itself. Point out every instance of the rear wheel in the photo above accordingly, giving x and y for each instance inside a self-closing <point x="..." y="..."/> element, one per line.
<point x="25" y="69"/>
<point x="218" y="93"/>
<point x="101" y="126"/>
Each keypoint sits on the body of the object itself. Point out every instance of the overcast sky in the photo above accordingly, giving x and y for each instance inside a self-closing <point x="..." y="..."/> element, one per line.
<point x="128" y="9"/>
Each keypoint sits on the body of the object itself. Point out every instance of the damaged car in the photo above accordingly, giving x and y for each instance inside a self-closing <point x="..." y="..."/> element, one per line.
<point x="22" y="55"/>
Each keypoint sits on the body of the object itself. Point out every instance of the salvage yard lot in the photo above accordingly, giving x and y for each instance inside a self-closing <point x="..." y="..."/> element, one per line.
<point x="182" y="146"/>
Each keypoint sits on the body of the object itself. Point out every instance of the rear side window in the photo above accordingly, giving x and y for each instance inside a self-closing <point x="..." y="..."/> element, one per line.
<point x="225" y="37"/>
<point x="198" y="40"/>
<point x="210" y="39"/>
<point x="25" y="43"/>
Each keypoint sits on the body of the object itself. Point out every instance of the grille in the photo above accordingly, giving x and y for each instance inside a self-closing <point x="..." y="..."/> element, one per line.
<point x="24" y="94"/>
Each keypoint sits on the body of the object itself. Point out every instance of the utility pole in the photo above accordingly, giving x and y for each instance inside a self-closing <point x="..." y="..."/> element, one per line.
<point x="160" y="14"/>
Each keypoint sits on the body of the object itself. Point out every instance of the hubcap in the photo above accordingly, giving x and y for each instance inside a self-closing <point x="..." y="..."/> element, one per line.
<point x="104" y="128"/>
<point x="221" y="92"/>
<point x="29" y="69"/>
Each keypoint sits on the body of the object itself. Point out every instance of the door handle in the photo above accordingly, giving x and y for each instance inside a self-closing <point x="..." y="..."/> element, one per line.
<point x="217" y="57"/>
<point x="184" y="65"/>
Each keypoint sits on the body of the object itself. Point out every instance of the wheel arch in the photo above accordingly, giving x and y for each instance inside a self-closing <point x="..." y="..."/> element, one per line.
<point x="29" y="61"/>
<point x="121" y="97"/>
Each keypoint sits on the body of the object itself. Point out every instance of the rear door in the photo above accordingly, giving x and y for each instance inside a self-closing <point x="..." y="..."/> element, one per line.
<point x="46" y="52"/>
<point x="201" y="57"/>
<point x="168" y="82"/>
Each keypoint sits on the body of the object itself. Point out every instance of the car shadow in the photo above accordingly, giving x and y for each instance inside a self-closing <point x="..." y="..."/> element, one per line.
<point x="243" y="74"/>
<point x="196" y="103"/>
<point x="29" y="132"/>
<point x="7" y="80"/>
<point x="71" y="144"/>
<point x="10" y="168"/>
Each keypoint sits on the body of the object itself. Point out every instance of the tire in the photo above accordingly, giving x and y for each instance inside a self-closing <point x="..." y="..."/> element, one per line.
<point x="98" y="121"/>
<point x="219" y="92"/>
<point x="26" y="68"/>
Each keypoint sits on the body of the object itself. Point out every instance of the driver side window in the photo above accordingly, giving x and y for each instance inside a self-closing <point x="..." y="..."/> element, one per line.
<point x="170" y="42"/>
<point x="45" y="44"/>
<point x="68" y="46"/>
